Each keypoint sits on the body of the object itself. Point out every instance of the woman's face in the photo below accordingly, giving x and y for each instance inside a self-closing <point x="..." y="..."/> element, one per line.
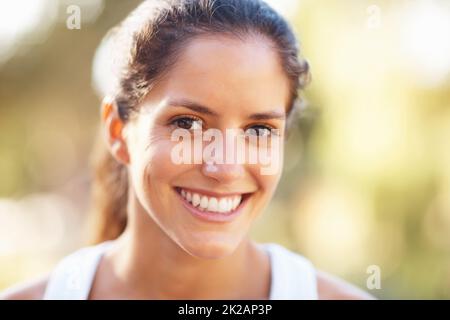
<point x="217" y="82"/>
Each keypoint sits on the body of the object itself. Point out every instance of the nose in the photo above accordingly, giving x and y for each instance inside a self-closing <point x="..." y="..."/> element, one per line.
<point x="223" y="172"/>
<point x="228" y="168"/>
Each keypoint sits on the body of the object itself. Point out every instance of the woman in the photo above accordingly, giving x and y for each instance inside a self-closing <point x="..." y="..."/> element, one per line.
<point x="179" y="230"/>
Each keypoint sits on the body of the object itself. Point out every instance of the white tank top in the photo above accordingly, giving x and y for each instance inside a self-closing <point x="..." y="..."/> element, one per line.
<point x="293" y="277"/>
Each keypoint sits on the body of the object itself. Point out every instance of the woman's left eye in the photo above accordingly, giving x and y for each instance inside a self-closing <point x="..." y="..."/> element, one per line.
<point x="259" y="130"/>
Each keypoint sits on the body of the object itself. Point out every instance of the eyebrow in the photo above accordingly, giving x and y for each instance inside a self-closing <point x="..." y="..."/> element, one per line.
<point x="193" y="106"/>
<point x="267" y="116"/>
<point x="207" y="111"/>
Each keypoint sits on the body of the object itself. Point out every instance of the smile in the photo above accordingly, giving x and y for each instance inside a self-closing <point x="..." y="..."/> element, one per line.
<point x="212" y="207"/>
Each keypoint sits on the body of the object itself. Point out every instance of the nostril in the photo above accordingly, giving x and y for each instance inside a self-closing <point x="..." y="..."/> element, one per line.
<point x="223" y="172"/>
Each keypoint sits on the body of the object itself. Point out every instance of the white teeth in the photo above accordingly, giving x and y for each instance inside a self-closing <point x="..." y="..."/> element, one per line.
<point x="212" y="204"/>
<point x="204" y="202"/>
<point x="223" y="205"/>
<point x="195" y="199"/>
<point x="236" y="201"/>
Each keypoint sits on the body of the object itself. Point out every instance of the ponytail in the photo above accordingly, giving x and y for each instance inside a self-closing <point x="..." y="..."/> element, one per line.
<point x="109" y="194"/>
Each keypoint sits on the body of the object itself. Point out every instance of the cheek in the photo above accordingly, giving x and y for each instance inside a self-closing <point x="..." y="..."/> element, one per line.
<point x="156" y="169"/>
<point x="158" y="163"/>
<point x="269" y="183"/>
<point x="268" y="174"/>
<point x="151" y="167"/>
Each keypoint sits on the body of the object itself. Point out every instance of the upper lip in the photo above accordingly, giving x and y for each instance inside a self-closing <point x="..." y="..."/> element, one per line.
<point x="212" y="193"/>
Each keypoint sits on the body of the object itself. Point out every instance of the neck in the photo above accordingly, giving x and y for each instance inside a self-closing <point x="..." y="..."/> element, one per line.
<point x="150" y="264"/>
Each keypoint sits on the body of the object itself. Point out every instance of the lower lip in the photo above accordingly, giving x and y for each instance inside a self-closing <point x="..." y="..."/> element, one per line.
<point x="213" y="216"/>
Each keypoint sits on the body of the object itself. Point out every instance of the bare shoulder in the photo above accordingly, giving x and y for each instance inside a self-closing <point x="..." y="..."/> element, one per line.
<point x="334" y="288"/>
<point x="29" y="290"/>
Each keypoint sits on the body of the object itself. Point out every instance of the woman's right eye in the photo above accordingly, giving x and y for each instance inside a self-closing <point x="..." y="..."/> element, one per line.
<point x="188" y="123"/>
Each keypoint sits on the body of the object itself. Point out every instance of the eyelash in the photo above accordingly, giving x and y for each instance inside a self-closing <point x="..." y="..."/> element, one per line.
<point x="185" y="117"/>
<point x="174" y="121"/>
<point x="265" y="127"/>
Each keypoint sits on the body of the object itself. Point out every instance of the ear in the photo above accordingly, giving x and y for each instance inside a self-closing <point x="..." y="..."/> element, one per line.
<point x="112" y="127"/>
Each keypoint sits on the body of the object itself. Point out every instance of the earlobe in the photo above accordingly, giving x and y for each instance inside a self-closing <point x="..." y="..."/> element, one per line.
<point x="120" y="152"/>
<point x="113" y="130"/>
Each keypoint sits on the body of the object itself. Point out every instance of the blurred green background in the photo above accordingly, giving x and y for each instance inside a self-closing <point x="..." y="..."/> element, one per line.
<point x="367" y="170"/>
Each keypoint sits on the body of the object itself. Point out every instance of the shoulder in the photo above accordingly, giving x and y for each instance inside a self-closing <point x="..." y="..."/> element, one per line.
<point x="36" y="288"/>
<point x="330" y="287"/>
<point x="327" y="286"/>
<point x="30" y="290"/>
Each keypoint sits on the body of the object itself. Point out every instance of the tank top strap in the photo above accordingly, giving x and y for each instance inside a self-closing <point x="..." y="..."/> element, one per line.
<point x="72" y="278"/>
<point x="293" y="276"/>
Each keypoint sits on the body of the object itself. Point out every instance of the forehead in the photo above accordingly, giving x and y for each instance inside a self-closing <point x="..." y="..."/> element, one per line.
<point x="225" y="71"/>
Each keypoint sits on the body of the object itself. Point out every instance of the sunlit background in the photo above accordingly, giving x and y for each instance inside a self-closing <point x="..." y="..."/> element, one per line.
<point x="367" y="172"/>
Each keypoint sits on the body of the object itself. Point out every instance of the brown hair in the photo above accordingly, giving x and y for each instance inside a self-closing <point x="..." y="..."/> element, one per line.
<point x="146" y="45"/>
